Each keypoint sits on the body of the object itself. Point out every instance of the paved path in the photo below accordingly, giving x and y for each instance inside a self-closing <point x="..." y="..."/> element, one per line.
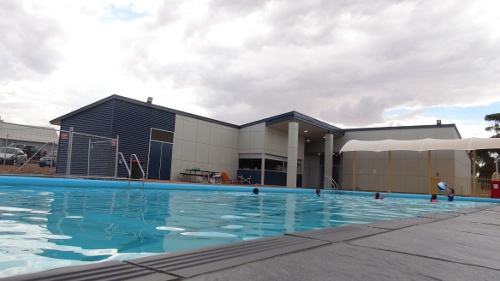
<point x="466" y="247"/>
<point x="461" y="245"/>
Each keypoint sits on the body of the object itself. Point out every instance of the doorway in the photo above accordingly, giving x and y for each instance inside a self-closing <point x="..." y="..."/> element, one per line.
<point x="160" y="154"/>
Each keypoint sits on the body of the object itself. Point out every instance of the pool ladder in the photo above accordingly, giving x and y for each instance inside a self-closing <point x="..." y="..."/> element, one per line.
<point x="335" y="186"/>
<point x="132" y="157"/>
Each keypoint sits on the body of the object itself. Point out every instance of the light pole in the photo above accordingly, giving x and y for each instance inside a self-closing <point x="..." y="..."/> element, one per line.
<point x="496" y="166"/>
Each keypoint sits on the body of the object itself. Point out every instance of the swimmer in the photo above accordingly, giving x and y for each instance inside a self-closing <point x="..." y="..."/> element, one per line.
<point x="255" y="191"/>
<point x="377" y="195"/>
<point x="318" y="192"/>
<point x="434" y="198"/>
<point x="451" y="195"/>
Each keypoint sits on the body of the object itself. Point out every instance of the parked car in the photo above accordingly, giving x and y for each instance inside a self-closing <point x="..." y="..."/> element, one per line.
<point x="49" y="160"/>
<point x="30" y="150"/>
<point x="12" y="156"/>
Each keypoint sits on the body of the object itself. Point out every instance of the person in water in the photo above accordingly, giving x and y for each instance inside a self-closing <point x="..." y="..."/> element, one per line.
<point x="318" y="192"/>
<point x="377" y="195"/>
<point x="451" y="194"/>
<point x="255" y="191"/>
<point x="434" y="198"/>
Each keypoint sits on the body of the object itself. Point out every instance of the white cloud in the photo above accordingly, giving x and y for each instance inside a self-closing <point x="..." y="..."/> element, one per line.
<point x="344" y="62"/>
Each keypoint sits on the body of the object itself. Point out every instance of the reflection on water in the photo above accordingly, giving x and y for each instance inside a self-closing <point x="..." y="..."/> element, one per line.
<point x="43" y="228"/>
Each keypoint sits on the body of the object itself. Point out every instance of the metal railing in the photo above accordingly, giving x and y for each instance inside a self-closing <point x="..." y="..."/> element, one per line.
<point x="124" y="162"/>
<point x="335" y="186"/>
<point x="129" y="169"/>
<point x="463" y="186"/>
<point x="140" y="167"/>
<point x="483" y="188"/>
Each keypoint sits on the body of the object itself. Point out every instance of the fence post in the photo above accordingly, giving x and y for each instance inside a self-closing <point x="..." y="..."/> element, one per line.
<point x="88" y="158"/>
<point x="6" y="144"/>
<point x="116" y="156"/>
<point x="70" y="148"/>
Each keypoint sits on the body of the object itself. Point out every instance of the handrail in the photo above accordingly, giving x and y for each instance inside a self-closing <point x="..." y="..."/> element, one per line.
<point x="140" y="167"/>
<point x="125" y="162"/>
<point x="335" y="186"/>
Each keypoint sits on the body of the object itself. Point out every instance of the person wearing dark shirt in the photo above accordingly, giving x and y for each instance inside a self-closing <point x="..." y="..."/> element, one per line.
<point x="451" y="194"/>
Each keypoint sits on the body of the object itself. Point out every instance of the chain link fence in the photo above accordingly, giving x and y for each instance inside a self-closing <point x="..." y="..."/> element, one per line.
<point x="32" y="150"/>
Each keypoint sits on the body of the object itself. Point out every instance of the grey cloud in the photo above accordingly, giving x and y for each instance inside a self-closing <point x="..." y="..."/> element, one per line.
<point x="238" y="8"/>
<point x="341" y="61"/>
<point x="29" y="43"/>
<point x="167" y="14"/>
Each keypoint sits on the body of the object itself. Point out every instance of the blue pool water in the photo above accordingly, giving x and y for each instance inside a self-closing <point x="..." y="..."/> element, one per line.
<point x="48" y="223"/>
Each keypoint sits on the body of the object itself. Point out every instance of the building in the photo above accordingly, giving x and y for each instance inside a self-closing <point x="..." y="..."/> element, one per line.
<point x="24" y="136"/>
<point x="290" y="149"/>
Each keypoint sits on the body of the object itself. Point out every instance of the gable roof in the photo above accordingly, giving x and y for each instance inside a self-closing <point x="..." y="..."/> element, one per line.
<point x="271" y="121"/>
<point x="311" y="128"/>
<point x="17" y="132"/>
<point x="57" y="121"/>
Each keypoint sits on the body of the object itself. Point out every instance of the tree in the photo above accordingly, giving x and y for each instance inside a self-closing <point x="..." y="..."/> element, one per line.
<point x="494" y="120"/>
<point x="485" y="158"/>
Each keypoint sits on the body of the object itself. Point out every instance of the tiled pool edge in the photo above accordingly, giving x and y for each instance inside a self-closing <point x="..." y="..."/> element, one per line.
<point x="186" y="264"/>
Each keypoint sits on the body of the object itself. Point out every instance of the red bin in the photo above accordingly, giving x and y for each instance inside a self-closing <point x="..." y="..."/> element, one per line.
<point x="495" y="189"/>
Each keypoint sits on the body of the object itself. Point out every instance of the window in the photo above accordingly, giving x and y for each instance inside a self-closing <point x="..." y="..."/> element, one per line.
<point x="163" y="136"/>
<point x="275" y="165"/>
<point x="253" y="164"/>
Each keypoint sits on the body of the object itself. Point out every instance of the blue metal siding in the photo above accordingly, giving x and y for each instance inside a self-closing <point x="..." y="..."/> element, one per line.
<point x="96" y="121"/>
<point x="133" y="123"/>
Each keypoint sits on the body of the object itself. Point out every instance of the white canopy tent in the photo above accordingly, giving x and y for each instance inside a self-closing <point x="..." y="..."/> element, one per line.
<point x="422" y="145"/>
<point x="469" y="144"/>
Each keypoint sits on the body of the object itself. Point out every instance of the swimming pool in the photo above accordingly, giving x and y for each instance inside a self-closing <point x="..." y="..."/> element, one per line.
<point x="48" y="223"/>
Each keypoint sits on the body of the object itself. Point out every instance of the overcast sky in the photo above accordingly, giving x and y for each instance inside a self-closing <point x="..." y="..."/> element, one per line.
<point x="346" y="62"/>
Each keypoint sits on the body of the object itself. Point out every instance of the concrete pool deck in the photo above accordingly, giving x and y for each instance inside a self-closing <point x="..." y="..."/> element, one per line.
<point x="459" y="245"/>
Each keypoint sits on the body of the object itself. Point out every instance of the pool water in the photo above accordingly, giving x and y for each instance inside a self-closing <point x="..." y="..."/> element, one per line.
<point x="48" y="227"/>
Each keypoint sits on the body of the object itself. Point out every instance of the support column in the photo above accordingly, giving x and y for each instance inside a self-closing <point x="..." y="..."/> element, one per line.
<point x="353" y="170"/>
<point x="328" y="159"/>
<point x="474" y="183"/>
<point x="263" y="169"/>
<point x="293" y="147"/>
<point x="429" y="170"/>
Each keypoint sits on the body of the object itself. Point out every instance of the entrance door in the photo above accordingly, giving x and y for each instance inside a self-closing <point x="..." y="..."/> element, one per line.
<point x="160" y="154"/>
<point x="160" y="157"/>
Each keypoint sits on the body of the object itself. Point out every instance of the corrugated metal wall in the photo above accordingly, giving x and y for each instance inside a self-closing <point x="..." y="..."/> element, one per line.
<point x="96" y="121"/>
<point x="131" y="122"/>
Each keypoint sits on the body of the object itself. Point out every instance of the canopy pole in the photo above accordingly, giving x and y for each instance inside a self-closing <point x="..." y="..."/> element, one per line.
<point x="390" y="170"/>
<point x="429" y="170"/>
<point x="474" y="190"/>
<point x="354" y="171"/>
